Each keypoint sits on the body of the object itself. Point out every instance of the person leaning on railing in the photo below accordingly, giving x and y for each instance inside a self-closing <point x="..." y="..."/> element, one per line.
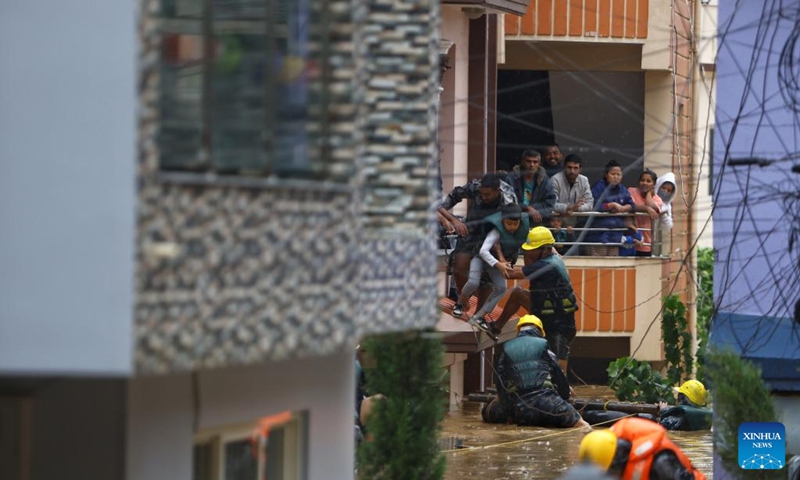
<point x="611" y="196"/>
<point x="573" y="192"/>
<point x="485" y="197"/>
<point x="646" y="200"/>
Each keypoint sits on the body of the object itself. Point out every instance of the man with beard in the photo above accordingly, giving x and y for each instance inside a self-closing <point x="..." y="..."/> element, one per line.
<point x="485" y="197"/>
<point x="551" y="159"/>
<point x="573" y="192"/>
<point x="533" y="188"/>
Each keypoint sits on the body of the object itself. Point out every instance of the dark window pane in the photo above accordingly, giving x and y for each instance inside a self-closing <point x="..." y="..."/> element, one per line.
<point x="275" y="453"/>
<point x="295" y="71"/>
<point x="238" y="103"/>
<point x="240" y="463"/>
<point x="238" y="93"/>
<point x="181" y="98"/>
<point x="238" y="82"/>
<point x="203" y="462"/>
<point x="182" y="8"/>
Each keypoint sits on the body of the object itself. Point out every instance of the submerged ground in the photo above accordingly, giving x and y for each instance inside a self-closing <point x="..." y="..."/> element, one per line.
<point x="511" y="452"/>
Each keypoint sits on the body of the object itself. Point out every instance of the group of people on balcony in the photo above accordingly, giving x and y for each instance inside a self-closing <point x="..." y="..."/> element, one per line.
<point x="550" y="191"/>
<point x="506" y="215"/>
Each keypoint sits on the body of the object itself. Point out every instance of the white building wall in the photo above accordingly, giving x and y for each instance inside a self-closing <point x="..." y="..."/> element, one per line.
<point x="453" y="124"/>
<point x="67" y="153"/>
<point x="705" y="99"/>
<point x="162" y="412"/>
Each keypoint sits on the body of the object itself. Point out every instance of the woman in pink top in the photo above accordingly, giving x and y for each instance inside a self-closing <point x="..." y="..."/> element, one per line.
<point x="646" y="200"/>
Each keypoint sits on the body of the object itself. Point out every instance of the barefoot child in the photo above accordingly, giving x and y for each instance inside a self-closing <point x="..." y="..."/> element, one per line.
<point x="509" y="231"/>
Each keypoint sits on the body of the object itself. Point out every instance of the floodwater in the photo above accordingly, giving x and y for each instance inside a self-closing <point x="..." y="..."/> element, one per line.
<point x="512" y="452"/>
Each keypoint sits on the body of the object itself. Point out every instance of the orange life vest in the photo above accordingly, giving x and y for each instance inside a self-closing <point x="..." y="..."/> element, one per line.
<point x="647" y="439"/>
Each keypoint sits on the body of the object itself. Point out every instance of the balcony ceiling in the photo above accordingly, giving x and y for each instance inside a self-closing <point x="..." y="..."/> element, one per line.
<point x="515" y="7"/>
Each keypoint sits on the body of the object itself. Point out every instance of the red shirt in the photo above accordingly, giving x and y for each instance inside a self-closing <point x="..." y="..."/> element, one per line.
<point x="643" y="221"/>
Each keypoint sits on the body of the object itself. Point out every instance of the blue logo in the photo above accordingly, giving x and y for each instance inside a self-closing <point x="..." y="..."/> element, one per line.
<point x="762" y="446"/>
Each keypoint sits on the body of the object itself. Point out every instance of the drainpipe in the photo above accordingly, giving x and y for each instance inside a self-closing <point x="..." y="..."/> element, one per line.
<point x="694" y="177"/>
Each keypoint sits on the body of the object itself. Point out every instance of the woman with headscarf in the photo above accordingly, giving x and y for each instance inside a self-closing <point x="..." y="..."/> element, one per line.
<point x="665" y="188"/>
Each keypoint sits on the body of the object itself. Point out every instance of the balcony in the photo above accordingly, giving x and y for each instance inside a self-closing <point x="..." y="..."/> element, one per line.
<point x="619" y="298"/>
<point x="584" y="20"/>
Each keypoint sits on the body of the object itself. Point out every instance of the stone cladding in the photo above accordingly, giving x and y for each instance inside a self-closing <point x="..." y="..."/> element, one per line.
<point x="240" y="271"/>
<point x="398" y="58"/>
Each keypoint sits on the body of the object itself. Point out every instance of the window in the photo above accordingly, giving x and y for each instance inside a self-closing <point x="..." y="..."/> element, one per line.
<point x="273" y="448"/>
<point x="237" y="81"/>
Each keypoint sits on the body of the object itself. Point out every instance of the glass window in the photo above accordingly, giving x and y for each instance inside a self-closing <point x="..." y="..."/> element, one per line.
<point x="235" y="83"/>
<point x="273" y="448"/>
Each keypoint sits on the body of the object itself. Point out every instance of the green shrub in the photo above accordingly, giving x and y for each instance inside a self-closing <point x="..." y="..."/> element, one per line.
<point x="405" y="424"/>
<point x="705" y="305"/>
<point x="636" y="381"/>
<point x="677" y="340"/>
<point x="740" y="395"/>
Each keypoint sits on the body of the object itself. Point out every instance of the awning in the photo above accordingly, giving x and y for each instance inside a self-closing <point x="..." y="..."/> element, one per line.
<point x="770" y="342"/>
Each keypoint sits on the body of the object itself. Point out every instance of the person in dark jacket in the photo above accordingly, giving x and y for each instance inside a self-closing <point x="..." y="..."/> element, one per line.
<point x="551" y="159"/>
<point x="690" y="413"/>
<point x="532" y="390"/>
<point x="610" y="196"/>
<point x="533" y="188"/>
<point x="485" y="197"/>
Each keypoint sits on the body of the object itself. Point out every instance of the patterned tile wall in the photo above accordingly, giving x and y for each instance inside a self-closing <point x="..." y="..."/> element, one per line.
<point x="398" y="58"/>
<point x="231" y="275"/>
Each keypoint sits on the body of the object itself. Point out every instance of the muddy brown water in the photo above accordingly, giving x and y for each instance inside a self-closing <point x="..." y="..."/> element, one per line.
<point x="512" y="452"/>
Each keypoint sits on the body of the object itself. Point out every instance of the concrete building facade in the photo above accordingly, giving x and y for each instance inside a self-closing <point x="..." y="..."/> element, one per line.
<point x="210" y="210"/>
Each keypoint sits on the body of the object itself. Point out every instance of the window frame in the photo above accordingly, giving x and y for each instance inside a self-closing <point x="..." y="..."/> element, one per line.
<point x="275" y="169"/>
<point x="294" y="458"/>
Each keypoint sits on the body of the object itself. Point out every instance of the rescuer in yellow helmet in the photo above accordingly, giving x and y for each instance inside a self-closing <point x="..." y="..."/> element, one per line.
<point x="690" y="413"/>
<point x="635" y="448"/>
<point x="532" y="390"/>
<point x="549" y="296"/>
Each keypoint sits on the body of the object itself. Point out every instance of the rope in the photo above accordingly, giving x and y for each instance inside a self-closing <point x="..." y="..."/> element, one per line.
<point x="526" y="440"/>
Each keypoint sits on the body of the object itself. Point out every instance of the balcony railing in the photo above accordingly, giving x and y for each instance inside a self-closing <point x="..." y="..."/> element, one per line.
<point x="655" y="244"/>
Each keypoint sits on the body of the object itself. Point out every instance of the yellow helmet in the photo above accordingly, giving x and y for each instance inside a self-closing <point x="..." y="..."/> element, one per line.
<point x="538" y="237"/>
<point x="598" y="447"/>
<point x="530" y="320"/>
<point x="694" y="391"/>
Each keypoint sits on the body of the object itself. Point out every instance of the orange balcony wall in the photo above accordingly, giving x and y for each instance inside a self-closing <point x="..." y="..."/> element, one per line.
<point x="617" y="297"/>
<point x="599" y="19"/>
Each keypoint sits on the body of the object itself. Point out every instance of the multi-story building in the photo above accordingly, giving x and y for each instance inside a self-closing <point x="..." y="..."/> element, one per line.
<point x="629" y="80"/>
<point x="207" y="203"/>
<point x="756" y="214"/>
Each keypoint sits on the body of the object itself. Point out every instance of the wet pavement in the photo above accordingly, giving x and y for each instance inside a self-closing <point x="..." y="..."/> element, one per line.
<point x="512" y="452"/>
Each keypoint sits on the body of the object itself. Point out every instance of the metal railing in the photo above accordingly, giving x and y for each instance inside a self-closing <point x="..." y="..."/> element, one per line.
<point x="656" y="237"/>
<point x="656" y="242"/>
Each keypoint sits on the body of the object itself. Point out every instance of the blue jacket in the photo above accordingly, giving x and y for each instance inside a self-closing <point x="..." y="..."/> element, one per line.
<point x="629" y="250"/>
<point x="603" y="194"/>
